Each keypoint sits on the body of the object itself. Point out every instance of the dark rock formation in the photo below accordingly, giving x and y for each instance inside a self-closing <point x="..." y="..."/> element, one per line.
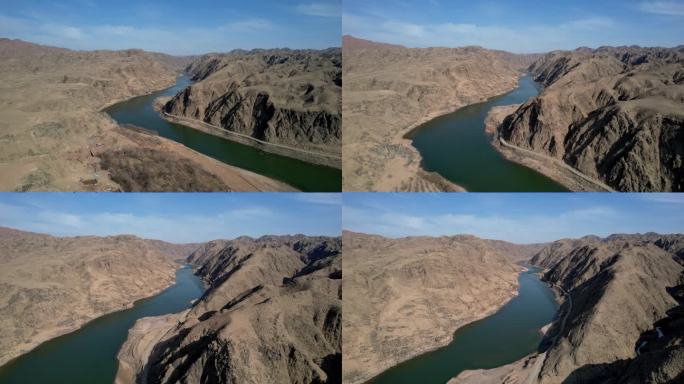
<point x="625" y="315"/>
<point x="289" y="97"/>
<point x="615" y="114"/>
<point x="272" y="314"/>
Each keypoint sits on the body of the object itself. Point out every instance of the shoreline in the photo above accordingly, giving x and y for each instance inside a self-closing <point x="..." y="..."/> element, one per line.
<point x="524" y="369"/>
<point x="117" y="101"/>
<point x="214" y="166"/>
<point x="54" y="334"/>
<point x="442" y="343"/>
<point x="554" y="169"/>
<point x="321" y="159"/>
<point x="403" y="137"/>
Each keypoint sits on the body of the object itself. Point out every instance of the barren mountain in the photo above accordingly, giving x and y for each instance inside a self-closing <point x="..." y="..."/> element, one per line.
<point x="390" y="89"/>
<point x="53" y="135"/>
<point x="403" y="297"/>
<point x="286" y="97"/>
<point x="614" y="114"/>
<point x="54" y="285"/>
<point x="621" y="320"/>
<point x="272" y="314"/>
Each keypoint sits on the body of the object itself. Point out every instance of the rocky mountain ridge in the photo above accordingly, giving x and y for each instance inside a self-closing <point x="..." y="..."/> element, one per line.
<point x="272" y="313"/>
<point x="282" y="96"/>
<point x="614" y="113"/>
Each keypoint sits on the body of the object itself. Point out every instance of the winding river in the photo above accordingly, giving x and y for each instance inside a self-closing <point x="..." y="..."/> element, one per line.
<point x="456" y="146"/>
<point x="88" y="355"/>
<point x="509" y="335"/>
<point x="139" y="111"/>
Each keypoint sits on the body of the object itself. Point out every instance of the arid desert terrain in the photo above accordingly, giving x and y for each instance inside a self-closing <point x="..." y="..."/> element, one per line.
<point x="619" y="321"/>
<point x="271" y="311"/>
<point x="607" y="119"/>
<point x="56" y="138"/>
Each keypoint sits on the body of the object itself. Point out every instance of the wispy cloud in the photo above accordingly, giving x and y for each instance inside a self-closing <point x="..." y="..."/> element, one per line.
<point x="670" y="8"/>
<point x="320" y="9"/>
<point x="529" y="38"/>
<point x="520" y="229"/>
<point x="172" y="228"/>
<point x="243" y="33"/>
<point x="334" y="199"/>
<point x="250" y="25"/>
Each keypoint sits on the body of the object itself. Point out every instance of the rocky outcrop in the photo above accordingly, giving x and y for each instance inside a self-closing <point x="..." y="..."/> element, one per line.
<point x="54" y="285"/>
<point x="390" y="89"/>
<point x="614" y="114"/>
<point x="287" y="97"/>
<point x="272" y="314"/>
<point x="403" y="297"/>
<point x="622" y="288"/>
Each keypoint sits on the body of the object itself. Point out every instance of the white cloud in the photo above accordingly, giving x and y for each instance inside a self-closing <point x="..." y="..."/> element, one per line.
<point x="244" y="33"/>
<point x="320" y="9"/>
<point x="62" y="31"/>
<point x="670" y="8"/>
<point x="250" y="25"/>
<point x="250" y="220"/>
<point x="529" y="38"/>
<point x="525" y="229"/>
<point x="334" y="199"/>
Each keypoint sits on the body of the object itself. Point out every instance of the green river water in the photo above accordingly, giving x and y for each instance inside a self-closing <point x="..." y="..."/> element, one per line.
<point x="88" y="355"/>
<point x="508" y="335"/>
<point x="456" y="146"/>
<point x="307" y="177"/>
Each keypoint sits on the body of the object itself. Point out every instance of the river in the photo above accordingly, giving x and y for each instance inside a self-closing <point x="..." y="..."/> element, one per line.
<point x="456" y="146"/>
<point x="502" y="338"/>
<point x="307" y="177"/>
<point x="88" y="355"/>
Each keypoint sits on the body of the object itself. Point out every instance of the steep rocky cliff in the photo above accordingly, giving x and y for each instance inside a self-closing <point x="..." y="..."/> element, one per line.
<point x="390" y="89"/>
<point x="622" y="289"/>
<point x="272" y="314"/>
<point x="288" y="97"/>
<point x="615" y="114"/>
<point x="403" y="297"/>
<point x="53" y="285"/>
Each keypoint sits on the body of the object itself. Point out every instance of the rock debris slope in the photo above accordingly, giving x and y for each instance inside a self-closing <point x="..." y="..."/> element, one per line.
<point x="615" y="114"/>
<point x="406" y="296"/>
<point x="390" y="89"/>
<point x="53" y="285"/>
<point x="53" y="135"/>
<point x="286" y="97"/>
<point x="272" y="314"/>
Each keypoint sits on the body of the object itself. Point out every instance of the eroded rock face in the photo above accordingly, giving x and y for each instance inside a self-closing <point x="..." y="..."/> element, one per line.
<point x="615" y="114"/>
<point x="403" y="297"/>
<point x="622" y="288"/>
<point x="53" y="285"/>
<point x="289" y="97"/>
<point x="272" y="314"/>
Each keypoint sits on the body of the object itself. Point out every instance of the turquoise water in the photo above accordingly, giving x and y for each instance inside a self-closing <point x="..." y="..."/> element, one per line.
<point x="88" y="355"/>
<point x="509" y="335"/>
<point x="457" y="147"/>
<point x="307" y="177"/>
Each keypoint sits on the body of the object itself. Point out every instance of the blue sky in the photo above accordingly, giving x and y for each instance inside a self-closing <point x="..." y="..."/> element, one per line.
<point x="521" y="26"/>
<point x="174" y="217"/>
<point x="174" y="26"/>
<point x="515" y="217"/>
